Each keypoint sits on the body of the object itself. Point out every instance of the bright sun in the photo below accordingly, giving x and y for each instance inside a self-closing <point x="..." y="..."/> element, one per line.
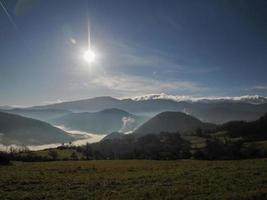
<point x="89" y="56"/>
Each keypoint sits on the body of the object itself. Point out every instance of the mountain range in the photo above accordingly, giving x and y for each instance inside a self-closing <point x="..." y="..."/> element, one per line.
<point x="140" y="115"/>
<point x="213" y="111"/>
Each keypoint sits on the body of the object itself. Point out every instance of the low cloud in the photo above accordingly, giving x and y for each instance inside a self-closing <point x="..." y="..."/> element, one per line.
<point x="122" y="85"/>
<point x="128" y="124"/>
<point x="53" y="101"/>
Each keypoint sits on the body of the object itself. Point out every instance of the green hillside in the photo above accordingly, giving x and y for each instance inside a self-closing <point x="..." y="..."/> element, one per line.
<point x="20" y="130"/>
<point x="172" y="122"/>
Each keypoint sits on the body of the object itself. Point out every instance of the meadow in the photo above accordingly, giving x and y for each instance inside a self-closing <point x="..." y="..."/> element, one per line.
<point x="135" y="179"/>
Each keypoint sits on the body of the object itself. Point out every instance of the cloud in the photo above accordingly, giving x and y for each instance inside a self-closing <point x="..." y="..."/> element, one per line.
<point x="128" y="124"/>
<point x="260" y="87"/>
<point x="129" y="69"/>
<point x="130" y="85"/>
<point x="126" y="55"/>
<point x="52" y="101"/>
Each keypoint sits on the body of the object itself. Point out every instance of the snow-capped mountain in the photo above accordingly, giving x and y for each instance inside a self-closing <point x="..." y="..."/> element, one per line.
<point x="253" y="99"/>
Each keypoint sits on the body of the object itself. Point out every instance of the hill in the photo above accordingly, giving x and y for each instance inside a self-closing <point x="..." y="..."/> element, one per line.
<point x="255" y="130"/>
<point x="114" y="136"/>
<point x="20" y="130"/>
<point x="103" y="122"/>
<point x="172" y="122"/>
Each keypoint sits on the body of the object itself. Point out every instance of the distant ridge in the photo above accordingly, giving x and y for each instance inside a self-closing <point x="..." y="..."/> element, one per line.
<point x="40" y="114"/>
<point x="93" y="104"/>
<point x="20" y="130"/>
<point x="102" y="122"/>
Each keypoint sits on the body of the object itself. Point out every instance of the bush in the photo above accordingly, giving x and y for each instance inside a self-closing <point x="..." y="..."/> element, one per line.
<point x="199" y="155"/>
<point x="74" y="156"/>
<point x="217" y="149"/>
<point x="53" y="154"/>
<point x="4" y="158"/>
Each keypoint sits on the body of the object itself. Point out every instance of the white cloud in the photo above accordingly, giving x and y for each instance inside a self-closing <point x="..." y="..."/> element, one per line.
<point x="130" y="85"/>
<point x="124" y="71"/>
<point x="129" y="70"/>
<point x="52" y="101"/>
<point x="128" y="55"/>
<point x="260" y="87"/>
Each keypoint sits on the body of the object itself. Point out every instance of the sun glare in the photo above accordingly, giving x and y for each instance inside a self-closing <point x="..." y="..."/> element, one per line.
<point x="89" y="56"/>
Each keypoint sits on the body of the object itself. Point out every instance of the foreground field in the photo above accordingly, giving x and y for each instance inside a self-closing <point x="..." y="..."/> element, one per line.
<point x="135" y="179"/>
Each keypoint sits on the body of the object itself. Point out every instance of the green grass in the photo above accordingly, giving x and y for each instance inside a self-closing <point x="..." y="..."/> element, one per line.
<point x="135" y="179"/>
<point x="260" y="144"/>
<point x="62" y="153"/>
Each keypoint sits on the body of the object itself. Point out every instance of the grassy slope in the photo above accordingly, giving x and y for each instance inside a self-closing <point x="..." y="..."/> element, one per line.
<point x="62" y="153"/>
<point x="135" y="180"/>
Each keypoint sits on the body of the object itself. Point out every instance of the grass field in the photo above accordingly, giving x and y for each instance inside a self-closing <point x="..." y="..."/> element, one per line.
<point x="62" y="153"/>
<point x="135" y="179"/>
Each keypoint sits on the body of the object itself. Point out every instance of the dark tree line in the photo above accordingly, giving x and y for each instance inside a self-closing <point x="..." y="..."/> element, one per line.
<point x="251" y="131"/>
<point x="163" y="146"/>
<point x="4" y="158"/>
<point x="227" y="149"/>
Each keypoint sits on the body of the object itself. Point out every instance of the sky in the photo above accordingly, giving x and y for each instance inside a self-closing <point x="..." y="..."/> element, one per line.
<point x="178" y="47"/>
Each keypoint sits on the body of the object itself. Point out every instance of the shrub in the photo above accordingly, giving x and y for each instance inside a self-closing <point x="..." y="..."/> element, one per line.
<point x="4" y="158"/>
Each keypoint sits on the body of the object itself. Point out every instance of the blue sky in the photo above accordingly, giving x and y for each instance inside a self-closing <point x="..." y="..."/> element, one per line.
<point x="189" y="47"/>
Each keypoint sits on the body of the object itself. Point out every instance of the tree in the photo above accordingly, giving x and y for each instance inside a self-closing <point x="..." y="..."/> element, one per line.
<point x="53" y="154"/>
<point x="87" y="151"/>
<point x="74" y="156"/>
<point x="23" y="149"/>
<point x="4" y="158"/>
<point x="220" y="149"/>
<point x="199" y="132"/>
